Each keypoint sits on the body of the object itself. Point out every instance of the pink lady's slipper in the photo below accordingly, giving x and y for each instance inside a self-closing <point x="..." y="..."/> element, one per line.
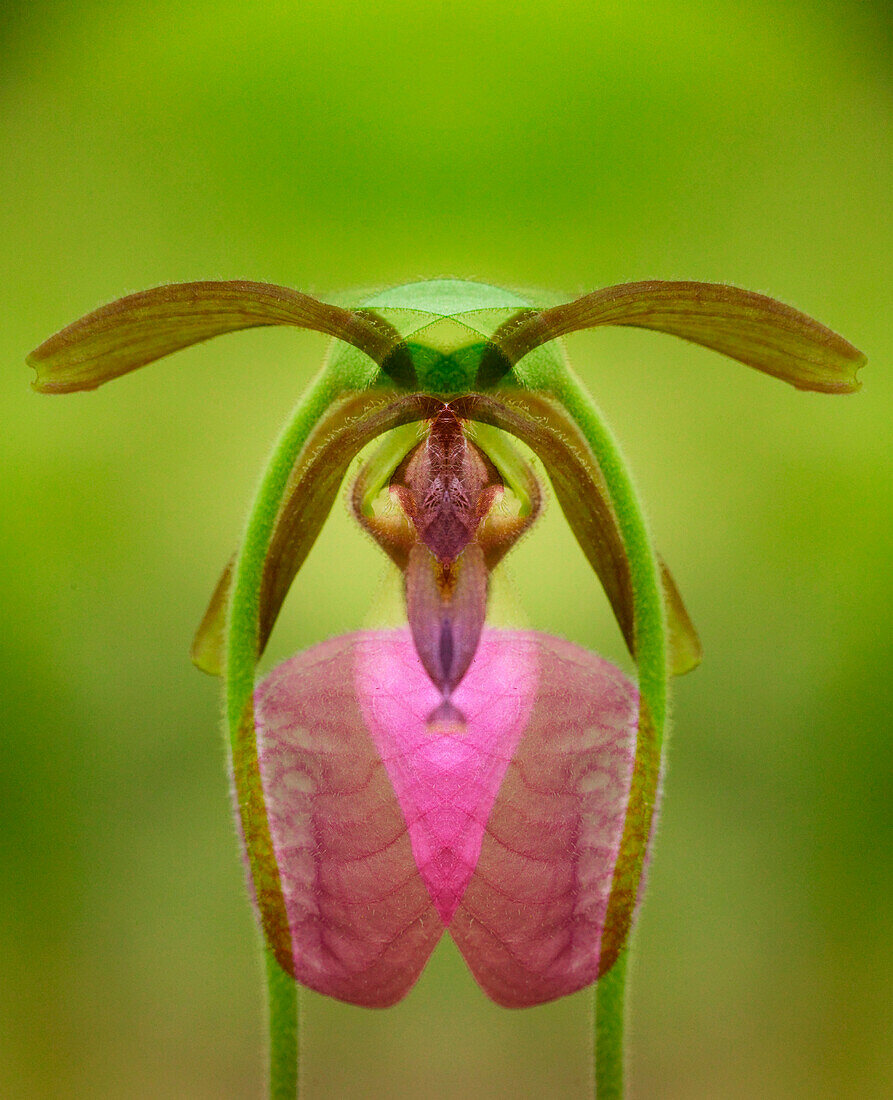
<point x="394" y="784"/>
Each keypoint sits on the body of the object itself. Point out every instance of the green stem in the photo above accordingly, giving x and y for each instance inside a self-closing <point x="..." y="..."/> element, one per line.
<point x="652" y="665"/>
<point x="651" y="661"/>
<point x="242" y="635"/>
<point x="648" y="603"/>
<point x="242" y="655"/>
<point x="610" y="1025"/>
<point x="282" y="1024"/>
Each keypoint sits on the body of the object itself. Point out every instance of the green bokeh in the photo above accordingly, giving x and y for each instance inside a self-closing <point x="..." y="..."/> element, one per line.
<point x="330" y="146"/>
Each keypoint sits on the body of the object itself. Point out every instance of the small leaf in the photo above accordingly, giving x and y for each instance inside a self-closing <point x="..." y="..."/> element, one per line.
<point x="758" y="331"/>
<point x="208" y="651"/>
<point x="684" y="645"/>
<point x="143" y="327"/>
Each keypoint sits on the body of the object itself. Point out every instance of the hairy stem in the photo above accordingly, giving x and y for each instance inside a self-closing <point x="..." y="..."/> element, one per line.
<point x="610" y="1025"/>
<point x="241" y="661"/>
<point x="652" y="665"/>
<point x="282" y="1030"/>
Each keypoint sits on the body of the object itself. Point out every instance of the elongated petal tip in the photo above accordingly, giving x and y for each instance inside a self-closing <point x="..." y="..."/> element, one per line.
<point x="756" y="330"/>
<point x="47" y="382"/>
<point x="836" y="371"/>
<point x="136" y="330"/>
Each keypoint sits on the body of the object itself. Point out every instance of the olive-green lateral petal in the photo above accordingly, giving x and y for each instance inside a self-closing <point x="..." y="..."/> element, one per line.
<point x="581" y="491"/>
<point x="350" y="423"/>
<point x="758" y="331"/>
<point x="132" y="331"/>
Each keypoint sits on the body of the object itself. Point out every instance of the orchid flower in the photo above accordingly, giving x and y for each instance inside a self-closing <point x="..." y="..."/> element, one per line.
<point x="449" y="774"/>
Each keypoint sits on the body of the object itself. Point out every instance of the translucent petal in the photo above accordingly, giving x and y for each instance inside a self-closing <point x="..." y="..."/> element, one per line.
<point x="361" y="921"/>
<point x="531" y="920"/>
<point x="506" y="830"/>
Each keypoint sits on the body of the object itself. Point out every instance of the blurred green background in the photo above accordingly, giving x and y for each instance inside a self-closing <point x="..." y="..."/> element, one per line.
<point x="561" y="146"/>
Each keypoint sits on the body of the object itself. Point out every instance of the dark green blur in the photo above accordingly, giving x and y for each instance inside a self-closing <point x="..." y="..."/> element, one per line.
<point x="555" y="147"/>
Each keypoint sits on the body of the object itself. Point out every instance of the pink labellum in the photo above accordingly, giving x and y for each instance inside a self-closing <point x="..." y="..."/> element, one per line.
<point x="446" y="780"/>
<point x="361" y="920"/>
<point x="506" y="829"/>
<point x="531" y="920"/>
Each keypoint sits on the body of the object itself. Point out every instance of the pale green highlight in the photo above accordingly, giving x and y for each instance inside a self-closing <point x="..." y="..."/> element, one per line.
<point x="507" y="461"/>
<point x="387" y="457"/>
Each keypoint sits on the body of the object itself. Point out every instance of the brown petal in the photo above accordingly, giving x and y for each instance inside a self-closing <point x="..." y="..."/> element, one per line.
<point x="209" y="644"/>
<point x="684" y="645"/>
<point x="350" y="423"/>
<point x="583" y="496"/>
<point x="758" y="331"/>
<point x="142" y="327"/>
